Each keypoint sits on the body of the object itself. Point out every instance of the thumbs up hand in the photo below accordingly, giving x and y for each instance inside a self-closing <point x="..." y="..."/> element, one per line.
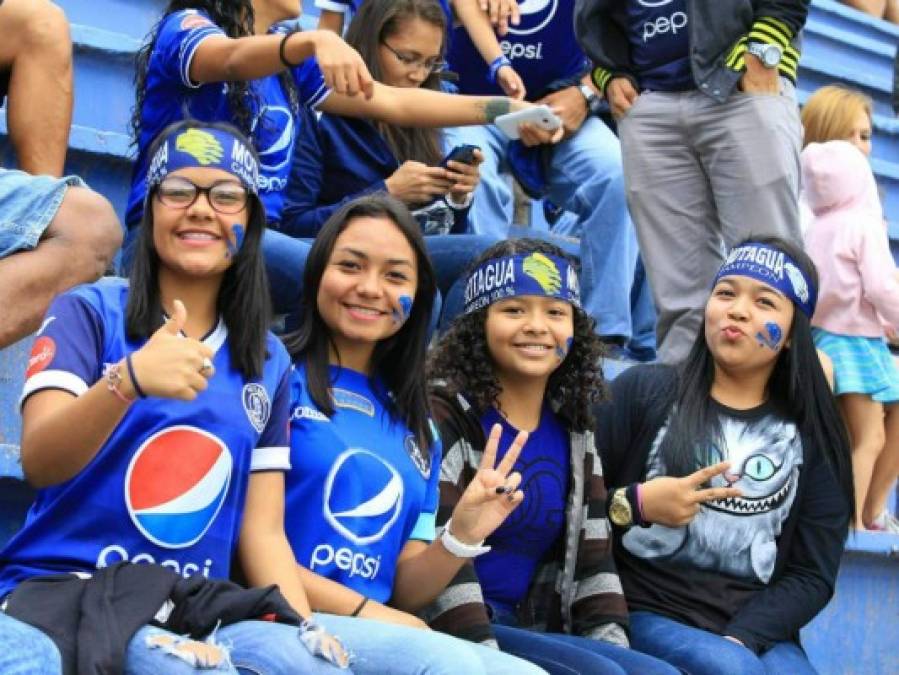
<point x="171" y="365"/>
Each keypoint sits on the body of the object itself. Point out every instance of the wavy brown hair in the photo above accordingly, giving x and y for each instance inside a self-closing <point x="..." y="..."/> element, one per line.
<point x="462" y="361"/>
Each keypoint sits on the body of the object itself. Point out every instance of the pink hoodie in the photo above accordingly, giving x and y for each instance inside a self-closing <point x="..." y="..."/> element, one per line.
<point x="848" y="242"/>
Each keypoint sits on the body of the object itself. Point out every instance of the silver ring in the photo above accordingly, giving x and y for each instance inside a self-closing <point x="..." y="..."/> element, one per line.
<point x="207" y="365"/>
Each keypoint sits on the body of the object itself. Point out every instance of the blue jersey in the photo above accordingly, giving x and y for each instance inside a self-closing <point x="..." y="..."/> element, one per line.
<point x="542" y="49"/>
<point x="171" y="95"/>
<point x="660" y="44"/>
<point x="522" y="541"/>
<point x="169" y="485"/>
<point x="360" y="486"/>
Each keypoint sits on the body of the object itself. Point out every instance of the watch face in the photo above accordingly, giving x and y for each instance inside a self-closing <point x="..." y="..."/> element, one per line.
<point x="620" y="510"/>
<point x="771" y="56"/>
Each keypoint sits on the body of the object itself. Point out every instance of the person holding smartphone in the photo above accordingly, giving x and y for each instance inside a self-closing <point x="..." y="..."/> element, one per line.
<point x="337" y="159"/>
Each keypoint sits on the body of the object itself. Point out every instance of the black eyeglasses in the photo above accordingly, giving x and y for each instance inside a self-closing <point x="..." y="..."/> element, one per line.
<point x="224" y="196"/>
<point x="432" y="65"/>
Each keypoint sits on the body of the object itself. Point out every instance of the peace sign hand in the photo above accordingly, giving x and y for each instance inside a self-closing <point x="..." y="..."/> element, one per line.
<point x="492" y="494"/>
<point x="675" y="501"/>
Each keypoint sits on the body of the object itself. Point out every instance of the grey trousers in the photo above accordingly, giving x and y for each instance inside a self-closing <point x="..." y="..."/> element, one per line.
<point x="700" y="177"/>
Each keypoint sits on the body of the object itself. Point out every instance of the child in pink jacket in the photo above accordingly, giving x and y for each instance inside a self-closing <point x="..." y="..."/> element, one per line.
<point x="859" y="291"/>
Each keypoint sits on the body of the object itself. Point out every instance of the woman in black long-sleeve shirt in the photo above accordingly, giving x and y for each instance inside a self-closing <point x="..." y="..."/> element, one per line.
<point x="734" y="558"/>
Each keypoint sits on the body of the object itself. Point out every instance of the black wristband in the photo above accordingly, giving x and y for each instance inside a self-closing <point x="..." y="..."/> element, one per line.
<point x="282" y="55"/>
<point x="134" y="383"/>
<point x="360" y="606"/>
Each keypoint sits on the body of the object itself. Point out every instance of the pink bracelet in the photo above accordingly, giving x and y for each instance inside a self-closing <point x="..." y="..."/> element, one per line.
<point x="113" y="377"/>
<point x="639" y="492"/>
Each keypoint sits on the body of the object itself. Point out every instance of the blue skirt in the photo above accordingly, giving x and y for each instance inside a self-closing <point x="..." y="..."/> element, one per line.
<point x="861" y="365"/>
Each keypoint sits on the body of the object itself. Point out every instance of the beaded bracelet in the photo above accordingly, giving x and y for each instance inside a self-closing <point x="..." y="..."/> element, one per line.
<point x="113" y="376"/>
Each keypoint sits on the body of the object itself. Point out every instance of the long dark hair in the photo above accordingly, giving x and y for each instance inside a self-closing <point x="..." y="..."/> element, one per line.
<point x="462" y="360"/>
<point x="797" y="387"/>
<point x="236" y="18"/>
<point x="399" y="361"/>
<point x="243" y="299"/>
<point x="375" y="21"/>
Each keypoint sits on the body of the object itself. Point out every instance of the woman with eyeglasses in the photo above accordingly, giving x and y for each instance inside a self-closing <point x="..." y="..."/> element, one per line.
<point x="336" y="158"/>
<point x="154" y="411"/>
<point x="242" y="62"/>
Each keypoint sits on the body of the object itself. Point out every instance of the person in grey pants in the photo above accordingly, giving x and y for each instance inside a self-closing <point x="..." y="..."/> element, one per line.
<point x="704" y="95"/>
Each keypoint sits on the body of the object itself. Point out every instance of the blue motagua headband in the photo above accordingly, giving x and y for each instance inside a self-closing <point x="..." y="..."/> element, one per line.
<point x="532" y="274"/>
<point x="205" y="147"/>
<point x="773" y="267"/>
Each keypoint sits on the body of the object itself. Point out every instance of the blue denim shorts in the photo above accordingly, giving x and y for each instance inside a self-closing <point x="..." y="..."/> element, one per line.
<point x="27" y="205"/>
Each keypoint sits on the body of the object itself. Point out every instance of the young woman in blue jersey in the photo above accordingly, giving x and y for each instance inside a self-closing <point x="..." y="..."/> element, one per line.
<point x="236" y="61"/>
<point x="725" y="585"/>
<point x="152" y="411"/>
<point x="524" y="356"/>
<point x="338" y="158"/>
<point x="361" y="495"/>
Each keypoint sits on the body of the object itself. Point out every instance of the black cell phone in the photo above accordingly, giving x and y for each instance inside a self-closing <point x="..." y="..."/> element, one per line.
<point x="461" y="153"/>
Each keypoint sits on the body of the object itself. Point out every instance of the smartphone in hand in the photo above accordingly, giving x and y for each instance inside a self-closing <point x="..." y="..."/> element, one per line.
<point x="541" y="115"/>
<point x="461" y="153"/>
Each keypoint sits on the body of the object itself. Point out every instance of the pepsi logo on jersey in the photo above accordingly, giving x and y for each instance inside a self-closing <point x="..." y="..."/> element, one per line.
<point x="175" y="485"/>
<point x="363" y="499"/>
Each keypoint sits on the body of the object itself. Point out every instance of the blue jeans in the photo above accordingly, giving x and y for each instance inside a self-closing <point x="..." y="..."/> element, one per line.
<point x="586" y="179"/>
<point x="25" y="650"/>
<point x="452" y="254"/>
<point x="562" y="654"/>
<point x="377" y="648"/>
<point x="253" y="647"/>
<point x="699" y="652"/>
<point x="27" y="206"/>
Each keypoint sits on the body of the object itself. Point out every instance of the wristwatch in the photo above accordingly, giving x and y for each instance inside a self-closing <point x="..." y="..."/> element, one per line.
<point x="768" y="54"/>
<point x="620" y="511"/>
<point x="593" y="101"/>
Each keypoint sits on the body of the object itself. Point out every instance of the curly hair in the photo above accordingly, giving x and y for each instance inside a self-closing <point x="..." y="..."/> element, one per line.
<point x="462" y="361"/>
<point x="236" y="18"/>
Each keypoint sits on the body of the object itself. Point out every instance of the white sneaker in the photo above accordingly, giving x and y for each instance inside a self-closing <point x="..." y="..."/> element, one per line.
<point x="886" y="522"/>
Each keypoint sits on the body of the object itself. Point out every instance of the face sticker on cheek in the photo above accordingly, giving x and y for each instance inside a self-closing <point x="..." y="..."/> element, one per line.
<point x="235" y="242"/>
<point x="562" y="352"/>
<point x="400" y="315"/>
<point x="773" y="337"/>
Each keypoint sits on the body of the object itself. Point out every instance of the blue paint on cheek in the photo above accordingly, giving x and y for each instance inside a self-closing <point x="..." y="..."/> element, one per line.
<point x="562" y="352"/>
<point x="235" y="246"/>
<point x="773" y="338"/>
<point x="400" y="315"/>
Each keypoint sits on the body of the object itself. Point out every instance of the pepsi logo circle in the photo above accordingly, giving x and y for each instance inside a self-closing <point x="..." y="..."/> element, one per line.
<point x="535" y="16"/>
<point x="176" y="484"/>
<point x="363" y="496"/>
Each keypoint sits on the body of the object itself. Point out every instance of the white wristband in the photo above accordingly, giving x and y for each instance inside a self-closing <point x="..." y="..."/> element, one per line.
<point x="459" y="548"/>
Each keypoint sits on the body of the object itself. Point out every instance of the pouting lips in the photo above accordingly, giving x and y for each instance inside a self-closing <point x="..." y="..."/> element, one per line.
<point x="747" y="506"/>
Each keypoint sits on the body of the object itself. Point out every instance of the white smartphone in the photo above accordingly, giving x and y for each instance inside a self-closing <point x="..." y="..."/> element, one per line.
<point x="540" y="115"/>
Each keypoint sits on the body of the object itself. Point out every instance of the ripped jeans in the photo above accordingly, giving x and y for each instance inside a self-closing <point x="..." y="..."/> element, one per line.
<point x="255" y="647"/>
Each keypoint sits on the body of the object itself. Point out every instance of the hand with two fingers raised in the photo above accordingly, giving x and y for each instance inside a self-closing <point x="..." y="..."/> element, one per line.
<point x="171" y="365"/>
<point x="492" y="494"/>
<point x="674" y="502"/>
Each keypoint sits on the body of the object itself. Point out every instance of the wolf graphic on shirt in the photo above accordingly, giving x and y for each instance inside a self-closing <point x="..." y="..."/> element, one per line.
<point x="738" y="535"/>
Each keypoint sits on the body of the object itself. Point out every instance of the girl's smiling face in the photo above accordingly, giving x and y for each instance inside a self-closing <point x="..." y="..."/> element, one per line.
<point x="368" y="286"/>
<point x="529" y="336"/>
<point x="196" y="239"/>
